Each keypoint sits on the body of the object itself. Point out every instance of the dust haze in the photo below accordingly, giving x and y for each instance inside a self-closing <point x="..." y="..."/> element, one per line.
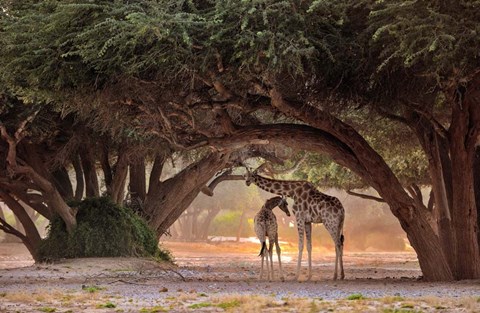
<point x="228" y="215"/>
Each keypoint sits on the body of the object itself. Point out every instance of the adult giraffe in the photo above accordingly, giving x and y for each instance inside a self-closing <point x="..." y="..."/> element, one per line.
<point x="311" y="206"/>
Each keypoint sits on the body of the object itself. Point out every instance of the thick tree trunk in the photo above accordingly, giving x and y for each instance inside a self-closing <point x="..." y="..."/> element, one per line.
<point x="464" y="213"/>
<point x="138" y="188"/>
<point x="172" y="197"/>
<point x="240" y="226"/>
<point x="31" y="238"/>
<point x="90" y="172"/>
<point x="207" y="221"/>
<point x="119" y="179"/>
<point x="107" y="169"/>
<point x="80" y="188"/>
<point x="63" y="183"/>
<point x="155" y="174"/>
<point x="436" y="148"/>
<point x="476" y="176"/>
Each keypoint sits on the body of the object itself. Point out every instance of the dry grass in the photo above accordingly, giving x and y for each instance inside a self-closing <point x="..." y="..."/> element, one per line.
<point x="193" y="302"/>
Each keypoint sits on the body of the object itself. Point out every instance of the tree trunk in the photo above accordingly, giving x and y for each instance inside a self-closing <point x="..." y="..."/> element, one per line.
<point x="107" y="169"/>
<point x="138" y="180"/>
<point x="464" y="213"/>
<point x="207" y="221"/>
<point x="89" y="171"/>
<point x="476" y="176"/>
<point x="155" y="174"/>
<point x="32" y="238"/>
<point x="119" y="178"/>
<point x="80" y="188"/>
<point x="63" y="183"/>
<point x="436" y="148"/>
<point x="172" y="197"/>
<point x="240" y="226"/>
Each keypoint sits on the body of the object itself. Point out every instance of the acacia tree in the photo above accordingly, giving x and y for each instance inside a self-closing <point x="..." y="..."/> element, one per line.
<point x="428" y="48"/>
<point x="222" y="74"/>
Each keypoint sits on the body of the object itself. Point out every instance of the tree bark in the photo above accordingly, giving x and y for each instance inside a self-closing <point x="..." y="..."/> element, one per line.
<point x="89" y="171"/>
<point x="119" y="178"/>
<point x="107" y="169"/>
<point x="476" y="175"/>
<point x="42" y="183"/>
<point x="464" y="130"/>
<point x="155" y="174"/>
<point x="436" y="148"/>
<point x="63" y="183"/>
<point x="32" y="238"/>
<point x="165" y="204"/>
<point x="138" y="188"/>
<point x="80" y="188"/>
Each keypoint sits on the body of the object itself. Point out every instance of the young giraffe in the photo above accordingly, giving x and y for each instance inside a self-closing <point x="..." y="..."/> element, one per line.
<point x="311" y="206"/>
<point x="265" y="225"/>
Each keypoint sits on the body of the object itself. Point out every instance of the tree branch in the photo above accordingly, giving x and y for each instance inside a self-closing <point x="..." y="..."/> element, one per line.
<point x="364" y="196"/>
<point x="268" y="169"/>
<point x="9" y="229"/>
<point x="429" y="117"/>
<point x="208" y="190"/>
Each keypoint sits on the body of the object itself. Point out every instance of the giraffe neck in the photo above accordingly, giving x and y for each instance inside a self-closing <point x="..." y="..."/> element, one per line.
<point x="279" y="187"/>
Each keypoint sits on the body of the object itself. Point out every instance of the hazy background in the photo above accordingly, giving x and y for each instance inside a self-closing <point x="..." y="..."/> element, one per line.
<point x="228" y="215"/>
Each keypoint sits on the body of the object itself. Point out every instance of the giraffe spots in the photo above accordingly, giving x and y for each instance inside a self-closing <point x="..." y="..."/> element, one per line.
<point x="276" y="186"/>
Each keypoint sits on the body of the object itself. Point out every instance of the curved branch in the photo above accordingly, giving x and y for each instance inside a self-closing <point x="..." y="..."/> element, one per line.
<point x="208" y="190"/>
<point x="302" y="137"/>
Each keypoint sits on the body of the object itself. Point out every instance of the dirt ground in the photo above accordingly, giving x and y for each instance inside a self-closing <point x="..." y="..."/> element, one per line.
<point x="224" y="277"/>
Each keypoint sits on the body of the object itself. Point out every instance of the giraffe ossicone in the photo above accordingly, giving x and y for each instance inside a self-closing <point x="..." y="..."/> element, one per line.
<point x="311" y="206"/>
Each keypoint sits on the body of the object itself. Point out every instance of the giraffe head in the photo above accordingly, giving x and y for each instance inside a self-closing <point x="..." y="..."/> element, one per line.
<point x="249" y="177"/>
<point x="281" y="202"/>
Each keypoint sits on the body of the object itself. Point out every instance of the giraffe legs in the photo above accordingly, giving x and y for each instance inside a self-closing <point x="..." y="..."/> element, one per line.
<point x="266" y="255"/>
<point x="301" y="231"/>
<point x="270" y="254"/>
<point x="336" y="234"/>
<point x="308" y="235"/>
<point x="277" y="246"/>
<point x="263" y="257"/>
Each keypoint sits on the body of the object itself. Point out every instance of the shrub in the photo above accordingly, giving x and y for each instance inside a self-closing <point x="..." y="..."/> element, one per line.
<point x="104" y="229"/>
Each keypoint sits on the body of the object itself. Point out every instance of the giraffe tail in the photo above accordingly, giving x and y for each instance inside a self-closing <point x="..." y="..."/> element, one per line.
<point x="264" y="247"/>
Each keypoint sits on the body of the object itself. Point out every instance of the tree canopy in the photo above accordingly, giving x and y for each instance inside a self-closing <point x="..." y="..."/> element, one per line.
<point x="388" y="90"/>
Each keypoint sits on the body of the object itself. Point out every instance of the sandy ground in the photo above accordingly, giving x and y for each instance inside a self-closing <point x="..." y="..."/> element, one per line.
<point x="224" y="277"/>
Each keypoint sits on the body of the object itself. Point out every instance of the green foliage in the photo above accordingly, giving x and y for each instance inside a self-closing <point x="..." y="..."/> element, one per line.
<point x="355" y="296"/>
<point x="103" y="229"/>
<point x="229" y="304"/>
<point x="51" y="45"/>
<point x="92" y="289"/>
<point x="107" y="305"/>
<point x="438" y="36"/>
<point x="200" y="305"/>
<point x="228" y="223"/>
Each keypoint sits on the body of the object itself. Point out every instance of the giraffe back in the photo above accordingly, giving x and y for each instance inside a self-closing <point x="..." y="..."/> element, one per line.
<point x="317" y="207"/>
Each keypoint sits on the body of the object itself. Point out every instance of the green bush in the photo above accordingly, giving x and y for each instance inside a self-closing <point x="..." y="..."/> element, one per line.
<point x="104" y="229"/>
